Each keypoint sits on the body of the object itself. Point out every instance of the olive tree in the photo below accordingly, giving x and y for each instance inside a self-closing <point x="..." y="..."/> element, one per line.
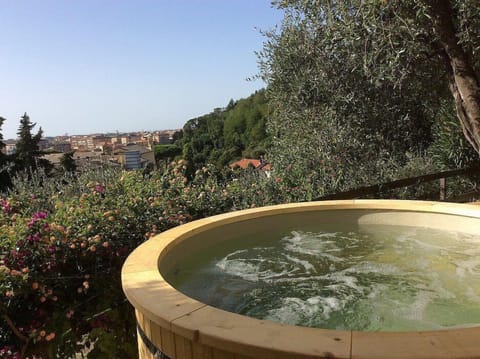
<point x="370" y="75"/>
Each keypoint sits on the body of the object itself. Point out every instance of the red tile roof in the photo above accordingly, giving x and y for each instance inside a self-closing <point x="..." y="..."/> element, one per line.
<point x="245" y="162"/>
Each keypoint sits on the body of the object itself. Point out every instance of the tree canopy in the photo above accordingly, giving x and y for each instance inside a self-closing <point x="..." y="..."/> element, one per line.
<point x="68" y="162"/>
<point x="166" y="152"/>
<point x="27" y="149"/>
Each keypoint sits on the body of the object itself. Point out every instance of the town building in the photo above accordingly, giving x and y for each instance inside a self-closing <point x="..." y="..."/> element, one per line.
<point x="134" y="156"/>
<point x="10" y="147"/>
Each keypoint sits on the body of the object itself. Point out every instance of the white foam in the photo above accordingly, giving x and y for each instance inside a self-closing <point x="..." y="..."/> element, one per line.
<point x="416" y="311"/>
<point x="371" y="267"/>
<point x="239" y="268"/>
<point x="467" y="266"/>
<point x="252" y="269"/>
<point x="313" y="245"/>
<point x="472" y="295"/>
<point x="340" y="278"/>
<point x="294" y="310"/>
<point x="406" y="235"/>
<point x="309" y="268"/>
<point x="403" y="277"/>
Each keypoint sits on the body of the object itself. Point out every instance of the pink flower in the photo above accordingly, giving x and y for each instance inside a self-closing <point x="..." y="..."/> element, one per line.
<point x="37" y="216"/>
<point x="99" y="188"/>
<point x="6" y="206"/>
<point x="33" y="238"/>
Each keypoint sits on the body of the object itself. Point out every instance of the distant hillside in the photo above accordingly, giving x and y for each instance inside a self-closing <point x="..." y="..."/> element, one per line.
<point x="227" y="134"/>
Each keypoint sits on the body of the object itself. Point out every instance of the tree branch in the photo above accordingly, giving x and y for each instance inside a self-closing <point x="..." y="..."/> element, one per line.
<point x="14" y="328"/>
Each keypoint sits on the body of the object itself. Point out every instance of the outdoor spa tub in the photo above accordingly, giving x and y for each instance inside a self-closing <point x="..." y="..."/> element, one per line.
<point x="172" y="324"/>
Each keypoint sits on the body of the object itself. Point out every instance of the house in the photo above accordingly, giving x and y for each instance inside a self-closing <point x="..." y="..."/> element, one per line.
<point x="133" y="156"/>
<point x="62" y="147"/>
<point x="43" y="144"/>
<point x="10" y="147"/>
<point x="245" y="163"/>
<point x="80" y="143"/>
<point x="101" y="141"/>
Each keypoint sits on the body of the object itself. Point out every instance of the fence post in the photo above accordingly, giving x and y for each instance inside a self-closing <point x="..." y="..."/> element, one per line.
<point x="443" y="189"/>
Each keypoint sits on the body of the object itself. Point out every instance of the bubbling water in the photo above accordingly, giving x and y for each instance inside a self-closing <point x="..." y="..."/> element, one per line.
<point x="379" y="277"/>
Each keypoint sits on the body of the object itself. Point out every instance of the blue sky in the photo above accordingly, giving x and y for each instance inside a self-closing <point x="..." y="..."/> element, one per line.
<point x="84" y="66"/>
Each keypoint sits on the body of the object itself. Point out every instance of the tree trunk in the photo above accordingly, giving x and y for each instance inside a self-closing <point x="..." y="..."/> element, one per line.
<point x="464" y="84"/>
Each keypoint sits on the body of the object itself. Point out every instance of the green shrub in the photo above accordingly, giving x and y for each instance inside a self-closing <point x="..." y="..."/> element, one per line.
<point x="63" y="242"/>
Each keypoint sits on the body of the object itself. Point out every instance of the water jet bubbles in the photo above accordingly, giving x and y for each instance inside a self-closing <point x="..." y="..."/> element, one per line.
<point x="377" y="278"/>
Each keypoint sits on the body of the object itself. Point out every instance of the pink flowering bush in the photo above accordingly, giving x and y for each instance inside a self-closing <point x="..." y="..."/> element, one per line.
<point x="63" y="243"/>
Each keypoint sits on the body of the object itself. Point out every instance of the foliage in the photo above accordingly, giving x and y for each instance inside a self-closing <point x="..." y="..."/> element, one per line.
<point x="449" y="148"/>
<point x="167" y="152"/>
<point x="428" y="47"/>
<point x="63" y="242"/>
<point x="416" y="165"/>
<point x="27" y="150"/>
<point x="202" y="139"/>
<point x="68" y="162"/>
<point x="352" y="85"/>
<point x="244" y="127"/>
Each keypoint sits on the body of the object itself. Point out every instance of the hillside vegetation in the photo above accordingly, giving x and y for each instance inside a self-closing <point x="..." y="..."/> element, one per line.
<point x="227" y="134"/>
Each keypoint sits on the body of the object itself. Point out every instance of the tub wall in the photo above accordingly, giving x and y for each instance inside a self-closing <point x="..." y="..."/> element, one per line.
<point x="174" y="346"/>
<point x="445" y="344"/>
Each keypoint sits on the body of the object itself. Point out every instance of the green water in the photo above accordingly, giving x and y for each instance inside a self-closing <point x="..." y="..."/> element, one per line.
<point x="389" y="278"/>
